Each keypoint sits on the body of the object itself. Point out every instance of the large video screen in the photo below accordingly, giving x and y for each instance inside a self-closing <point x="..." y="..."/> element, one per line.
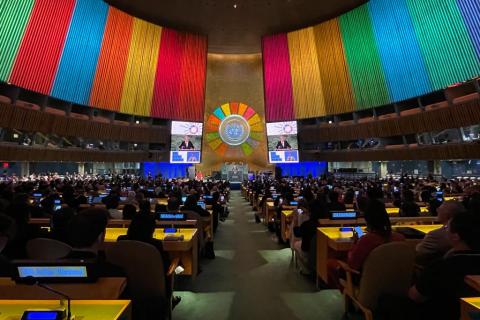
<point x="282" y="142"/>
<point x="186" y="142"/>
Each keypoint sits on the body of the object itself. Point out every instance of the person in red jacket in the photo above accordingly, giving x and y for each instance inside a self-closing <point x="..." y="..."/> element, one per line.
<point x="379" y="231"/>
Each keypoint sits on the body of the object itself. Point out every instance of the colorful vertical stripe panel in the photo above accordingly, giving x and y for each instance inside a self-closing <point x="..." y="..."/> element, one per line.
<point x="140" y="73"/>
<point x="337" y="91"/>
<point x="470" y="11"/>
<point x="89" y="53"/>
<point x="277" y="78"/>
<point x="179" y="82"/>
<point x="446" y="45"/>
<point x="191" y="96"/>
<point x="112" y="62"/>
<point x="307" y="84"/>
<point x="76" y="71"/>
<point x="42" y="44"/>
<point x="368" y="78"/>
<point x="13" y="21"/>
<point x="402" y="60"/>
<point x="382" y="52"/>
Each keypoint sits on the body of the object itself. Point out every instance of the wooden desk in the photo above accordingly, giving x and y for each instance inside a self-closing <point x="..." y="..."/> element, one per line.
<point x="120" y="223"/>
<point x="393" y="220"/>
<point x="396" y="211"/>
<point x="473" y="281"/>
<point x="103" y="289"/>
<point x="186" y="250"/>
<point x="208" y="226"/>
<point x="286" y="219"/>
<point x="269" y="212"/>
<point x="81" y="309"/>
<point x="469" y="307"/>
<point x="330" y="239"/>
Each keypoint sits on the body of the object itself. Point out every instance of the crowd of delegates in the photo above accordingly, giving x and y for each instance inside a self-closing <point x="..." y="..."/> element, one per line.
<point x="443" y="258"/>
<point x="63" y="199"/>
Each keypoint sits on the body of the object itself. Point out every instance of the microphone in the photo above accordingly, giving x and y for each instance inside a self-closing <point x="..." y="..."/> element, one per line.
<point x="32" y="281"/>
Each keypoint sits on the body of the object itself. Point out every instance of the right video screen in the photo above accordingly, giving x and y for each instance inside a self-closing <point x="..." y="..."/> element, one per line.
<point x="282" y="142"/>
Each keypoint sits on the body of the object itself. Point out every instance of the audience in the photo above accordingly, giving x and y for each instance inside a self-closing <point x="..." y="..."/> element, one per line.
<point x="409" y="208"/>
<point x="438" y="290"/>
<point x="437" y="242"/>
<point x="129" y="212"/>
<point x="379" y="231"/>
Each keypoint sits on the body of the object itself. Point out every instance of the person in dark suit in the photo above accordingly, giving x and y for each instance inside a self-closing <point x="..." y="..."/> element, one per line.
<point x="283" y="144"/>
<point x="186" y="144"/>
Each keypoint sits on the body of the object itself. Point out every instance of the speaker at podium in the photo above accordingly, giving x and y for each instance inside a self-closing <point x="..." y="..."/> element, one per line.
<point x="234" y="172"/>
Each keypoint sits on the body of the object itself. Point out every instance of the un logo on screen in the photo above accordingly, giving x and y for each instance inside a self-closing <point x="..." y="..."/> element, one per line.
<point x="234" y="130"/>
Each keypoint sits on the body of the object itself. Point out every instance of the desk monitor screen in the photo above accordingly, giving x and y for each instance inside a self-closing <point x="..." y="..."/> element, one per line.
<point x="166" y="216"/>
<point x="184" y="199"/>
<point x="52" y="271"/>
<point x="55" y="271"/>
<point x="340" y="215"/>
<point x="43" y="315"/>
<point x="294" y="203"/>
<point x="202" y="204"/>
<point x="97" y="199"/>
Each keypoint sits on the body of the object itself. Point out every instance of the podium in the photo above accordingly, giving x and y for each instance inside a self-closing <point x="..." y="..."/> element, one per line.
<point x="234" y="172"/>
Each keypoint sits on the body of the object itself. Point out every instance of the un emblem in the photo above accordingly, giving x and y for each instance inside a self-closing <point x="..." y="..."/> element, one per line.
<point x="234" y="130"/>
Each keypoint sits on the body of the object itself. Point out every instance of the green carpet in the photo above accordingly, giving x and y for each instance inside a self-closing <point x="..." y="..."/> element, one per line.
<point x="252" y="277"/>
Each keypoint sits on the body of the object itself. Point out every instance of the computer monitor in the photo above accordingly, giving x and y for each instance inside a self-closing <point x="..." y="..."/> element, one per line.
<point x="202" y="204"/>
<point x="343" y="215"/>
<point x="184" y="199"/>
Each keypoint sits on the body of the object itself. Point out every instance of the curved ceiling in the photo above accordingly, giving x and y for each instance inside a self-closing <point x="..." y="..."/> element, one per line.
<point x="235" y="30"/>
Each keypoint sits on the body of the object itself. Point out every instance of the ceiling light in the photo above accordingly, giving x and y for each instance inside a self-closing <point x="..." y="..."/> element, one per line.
<point x="137" y="122"/>
<point x="329" y="121"/>
<point x="235" y="6"/>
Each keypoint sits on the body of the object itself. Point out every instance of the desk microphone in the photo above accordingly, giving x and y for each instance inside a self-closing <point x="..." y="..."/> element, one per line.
<point x="32" y="281"/>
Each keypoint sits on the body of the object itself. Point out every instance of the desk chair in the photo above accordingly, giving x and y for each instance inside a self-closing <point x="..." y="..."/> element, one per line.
<point x="387" y="270"/>
<point x="47" y="249"/>
<point x="143" y="265"/>
<point x="192" y="215"/>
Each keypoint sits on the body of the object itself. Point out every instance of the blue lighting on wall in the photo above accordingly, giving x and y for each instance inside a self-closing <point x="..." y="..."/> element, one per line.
<point x="303" y="169"/>
<point x="167" y="170"/>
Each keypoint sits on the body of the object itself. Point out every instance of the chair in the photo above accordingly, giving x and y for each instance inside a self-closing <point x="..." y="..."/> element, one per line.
<point x="5" y="99"/>
<point x="47" y="249"/>
<point x="143" y="266"/>
<point x="387" y="270"/>
<point x="410" y="112"/>
<point x="387" y="116"/>
<point x="55" y="111"/>
<point x="192" y="215"/>
<point x="27" y="105"/>
<point x="436" y="106"/>
<point x="467" y="98"/>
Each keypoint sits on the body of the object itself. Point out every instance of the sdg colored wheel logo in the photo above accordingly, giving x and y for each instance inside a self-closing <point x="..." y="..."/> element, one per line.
<point x="234" y="125"/>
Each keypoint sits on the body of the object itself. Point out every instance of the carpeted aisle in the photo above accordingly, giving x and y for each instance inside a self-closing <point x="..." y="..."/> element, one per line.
<point x="252" y="277"/>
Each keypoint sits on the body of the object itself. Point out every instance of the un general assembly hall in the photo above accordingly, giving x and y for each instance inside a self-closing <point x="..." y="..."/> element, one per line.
<point x="239" y="159"/>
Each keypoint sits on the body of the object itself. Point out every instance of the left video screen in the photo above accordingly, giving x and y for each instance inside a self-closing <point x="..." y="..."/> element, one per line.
<point x="186" y="142"/>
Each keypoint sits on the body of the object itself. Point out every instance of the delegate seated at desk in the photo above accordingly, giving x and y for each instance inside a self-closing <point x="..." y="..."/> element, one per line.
<point x="283" y="144"/>
<point x="186" y="144"/>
